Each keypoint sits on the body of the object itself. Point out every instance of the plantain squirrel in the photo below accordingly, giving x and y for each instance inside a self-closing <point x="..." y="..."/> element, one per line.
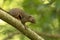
<point x="20" y="15"/>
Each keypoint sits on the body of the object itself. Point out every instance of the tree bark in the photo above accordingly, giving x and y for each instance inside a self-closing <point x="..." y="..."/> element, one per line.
<point x="19" y="26"/>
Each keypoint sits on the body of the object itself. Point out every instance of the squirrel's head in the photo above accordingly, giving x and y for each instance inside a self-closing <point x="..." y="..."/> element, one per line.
<point x="31" y="19"/>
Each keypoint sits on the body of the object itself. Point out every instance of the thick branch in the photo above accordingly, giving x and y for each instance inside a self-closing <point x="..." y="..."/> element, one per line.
<point x="41" y="34"/>
<point x="17" y="24"/>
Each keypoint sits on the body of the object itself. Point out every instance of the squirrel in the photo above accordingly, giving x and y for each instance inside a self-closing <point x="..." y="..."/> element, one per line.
<point x="20" y="15"/>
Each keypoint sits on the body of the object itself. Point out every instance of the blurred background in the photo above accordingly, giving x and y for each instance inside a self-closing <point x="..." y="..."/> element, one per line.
<point x="45" y="12"/>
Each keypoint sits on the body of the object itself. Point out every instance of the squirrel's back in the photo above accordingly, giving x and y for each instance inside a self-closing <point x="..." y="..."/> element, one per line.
<point x="15" y="12"/>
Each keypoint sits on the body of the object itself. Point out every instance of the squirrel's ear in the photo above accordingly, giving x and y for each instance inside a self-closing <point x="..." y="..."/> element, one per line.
<point x="30" y="16"/>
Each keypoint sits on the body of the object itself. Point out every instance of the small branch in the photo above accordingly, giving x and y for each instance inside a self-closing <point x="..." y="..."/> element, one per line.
<point x="18" y="25"/>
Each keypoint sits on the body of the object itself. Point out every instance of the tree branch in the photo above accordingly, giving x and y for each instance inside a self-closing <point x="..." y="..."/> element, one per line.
<point x="48" y="35"/>
<point x="43" y="34"/>
<point x="18" y="25"/>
